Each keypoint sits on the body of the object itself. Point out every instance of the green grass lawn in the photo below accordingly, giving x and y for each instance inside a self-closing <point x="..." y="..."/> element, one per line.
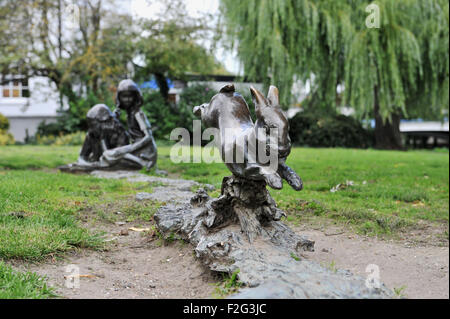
<point x="390" y="189"/>
<point x="14" y="285"/>
<point x="41" y="208"/>
<point x="36" y="157"/>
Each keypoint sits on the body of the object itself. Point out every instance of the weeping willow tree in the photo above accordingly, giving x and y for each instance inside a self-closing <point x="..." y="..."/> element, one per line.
<point x="401" y="68"/>
<point x="398" y="69"/>
<point x="279" y="41"/>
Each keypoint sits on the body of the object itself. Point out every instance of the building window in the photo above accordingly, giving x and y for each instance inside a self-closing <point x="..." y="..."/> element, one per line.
<point x="15" y="89"/>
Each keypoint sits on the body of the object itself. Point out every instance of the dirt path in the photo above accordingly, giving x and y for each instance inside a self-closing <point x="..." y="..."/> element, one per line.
<point x="135" y="267"/>
<point x="132" y="268"/>
<point x="422" y="270"/>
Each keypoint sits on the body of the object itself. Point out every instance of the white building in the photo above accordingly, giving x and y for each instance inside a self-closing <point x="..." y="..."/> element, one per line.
<point x="26" y="103"/>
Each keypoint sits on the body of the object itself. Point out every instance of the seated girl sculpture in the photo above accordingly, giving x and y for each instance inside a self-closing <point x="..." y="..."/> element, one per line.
<point x="108" y="145"/>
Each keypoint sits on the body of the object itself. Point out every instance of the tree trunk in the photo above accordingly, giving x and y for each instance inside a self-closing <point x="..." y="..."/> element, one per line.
<point x="162" y="83"/>
<point x="387" y="133"/>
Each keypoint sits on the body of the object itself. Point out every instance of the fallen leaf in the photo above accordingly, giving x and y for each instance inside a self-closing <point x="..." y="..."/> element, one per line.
<point x="80" y="276"/>
<point x="418" y="203"/>
<point x="138" y="229"/>
<point x="342" y="186"/>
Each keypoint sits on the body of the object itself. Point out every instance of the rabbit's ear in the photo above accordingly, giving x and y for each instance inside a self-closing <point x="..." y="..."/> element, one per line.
<point x="259" y="100"/>
<point x="273" y="96"/>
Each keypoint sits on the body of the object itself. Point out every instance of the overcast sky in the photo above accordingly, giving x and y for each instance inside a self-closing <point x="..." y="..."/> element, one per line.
<point x="149" y="9"/>
<point x="142" y="7"/>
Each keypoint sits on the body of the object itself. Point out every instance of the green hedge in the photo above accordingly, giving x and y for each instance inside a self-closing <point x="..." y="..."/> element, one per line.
<point x="4" y="123"/>
<point x="165" y="117"/>
<point x="328" y="130"/>
<point x="5" y="137"/>
<point x="73" y="119"/>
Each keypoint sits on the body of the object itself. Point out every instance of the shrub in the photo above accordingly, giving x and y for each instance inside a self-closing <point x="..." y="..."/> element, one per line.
<point x="72" y="139"/>
<point x="164" y="117"/>
<point x="328" y="130"/>
<point x="189" y="98"/>
<point x="73" y="119"/>
<point x="5" y="137"/>
<point x="43" y="140"/>
<point x="47" y="129"/>
<point x="194" y="95"/>
<point x="160" y="113"/>
<point x="4" y="123"/>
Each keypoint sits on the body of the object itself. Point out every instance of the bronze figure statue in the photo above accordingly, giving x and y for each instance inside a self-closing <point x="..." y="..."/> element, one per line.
<point x="143" y="150"/>
<point x="108" y="145"/>
<point x="104" y="132"/>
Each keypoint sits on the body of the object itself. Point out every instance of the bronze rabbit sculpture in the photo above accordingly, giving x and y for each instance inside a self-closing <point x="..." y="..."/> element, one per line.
<point x="229" y="113"/>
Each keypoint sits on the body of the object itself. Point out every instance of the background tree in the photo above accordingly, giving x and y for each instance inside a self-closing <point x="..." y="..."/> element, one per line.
<point x="85" y="47"/>
<point x="170" y="47"/>
<point x="400" y="67"/>
<point x="386" y="72"/>
<point x="80" y="52"/>
<point x="282" y="41"/>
